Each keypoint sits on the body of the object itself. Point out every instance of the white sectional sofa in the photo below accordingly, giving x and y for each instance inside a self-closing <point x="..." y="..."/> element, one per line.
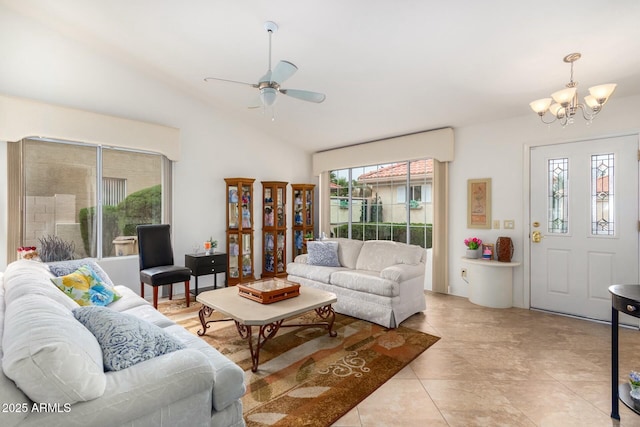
<point x="376" y="280"/>
<point x="52" y="373"/>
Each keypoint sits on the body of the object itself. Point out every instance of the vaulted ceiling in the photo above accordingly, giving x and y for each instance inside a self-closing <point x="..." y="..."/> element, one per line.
<point x="387" y="67"/>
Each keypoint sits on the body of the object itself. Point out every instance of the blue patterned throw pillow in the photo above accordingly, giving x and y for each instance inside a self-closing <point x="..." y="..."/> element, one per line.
<point x="125" y="340"/>
<point x="323" y="253"/>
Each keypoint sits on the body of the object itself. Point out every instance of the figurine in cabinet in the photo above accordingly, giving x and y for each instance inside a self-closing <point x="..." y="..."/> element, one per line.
<point x="269" y="242"/>
<point x="246" y="198"/>
<point x="299" y="239"/>
<point x="298" y="218"/>
<point x="268" y="262"/>
<point x="246" y="265"/>
<point x="246" y="217"/>
<point x="268" y="216"/>
<point x="280" y="217"/>
<point x="234" y="248"/>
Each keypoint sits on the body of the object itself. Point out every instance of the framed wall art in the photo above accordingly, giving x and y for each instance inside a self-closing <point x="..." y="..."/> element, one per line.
<point x="479" y="203"/>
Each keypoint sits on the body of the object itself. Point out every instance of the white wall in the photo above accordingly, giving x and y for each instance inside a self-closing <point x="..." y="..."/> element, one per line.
<point x="498" y="150"/>
<point x="43" y="65"/>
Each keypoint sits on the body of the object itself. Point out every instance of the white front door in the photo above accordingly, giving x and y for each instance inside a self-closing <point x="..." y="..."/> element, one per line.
<point x="584" y="208"/>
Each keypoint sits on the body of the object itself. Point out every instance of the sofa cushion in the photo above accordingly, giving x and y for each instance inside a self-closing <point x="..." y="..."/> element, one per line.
<point x="324" y="253"/>
<point x="26" y="277"/>
<point x="86" y="288"/>
<point x="50" y="356"/>
<point x="348" y="251"/>
<point x="365" y="281"/>
<point x="377" y="255"/>
<point x="124" y="339"/>
<point x="313" y="272"/>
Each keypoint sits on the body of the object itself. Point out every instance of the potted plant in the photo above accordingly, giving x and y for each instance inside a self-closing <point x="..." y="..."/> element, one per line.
<point x="473" y="245"/>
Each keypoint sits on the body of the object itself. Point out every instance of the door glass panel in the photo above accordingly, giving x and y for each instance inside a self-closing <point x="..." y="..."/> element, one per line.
<point x="602" y="195"/>
<point x="558" y="196"/>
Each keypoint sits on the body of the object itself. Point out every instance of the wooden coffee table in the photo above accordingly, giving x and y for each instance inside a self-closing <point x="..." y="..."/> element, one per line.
<point x="268" y="317"/>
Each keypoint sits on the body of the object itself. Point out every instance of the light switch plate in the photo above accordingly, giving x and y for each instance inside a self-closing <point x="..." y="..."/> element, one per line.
<point x="496" y="223"/>
<point x="509" y="224"/>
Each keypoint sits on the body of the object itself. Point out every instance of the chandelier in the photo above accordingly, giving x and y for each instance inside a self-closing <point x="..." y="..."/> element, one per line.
<point x="565" y="102"/>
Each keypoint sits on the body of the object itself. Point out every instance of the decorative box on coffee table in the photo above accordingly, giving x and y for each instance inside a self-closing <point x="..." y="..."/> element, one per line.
<point x="269" y="291"/>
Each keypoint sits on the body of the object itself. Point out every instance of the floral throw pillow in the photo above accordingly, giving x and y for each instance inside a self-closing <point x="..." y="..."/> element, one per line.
<point x="85" y="287"/>
<point x="323" y="253"/>
<point x="125" y="340"/>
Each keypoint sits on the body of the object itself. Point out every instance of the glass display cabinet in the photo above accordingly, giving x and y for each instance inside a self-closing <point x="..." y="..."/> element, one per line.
<point x="274" y="229"/>
<point x="239" y="230"/>
<point x="303" y="214"/>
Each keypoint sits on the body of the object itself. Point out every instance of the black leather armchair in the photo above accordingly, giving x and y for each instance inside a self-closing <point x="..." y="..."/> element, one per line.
<point x="156" y="261"/>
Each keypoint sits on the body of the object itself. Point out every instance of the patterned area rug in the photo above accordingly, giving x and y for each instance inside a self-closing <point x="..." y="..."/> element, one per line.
<point x="306" y="377"/>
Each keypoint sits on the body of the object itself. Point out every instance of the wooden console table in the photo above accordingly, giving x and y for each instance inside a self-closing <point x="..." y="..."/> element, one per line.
<point x="626" y="299"/>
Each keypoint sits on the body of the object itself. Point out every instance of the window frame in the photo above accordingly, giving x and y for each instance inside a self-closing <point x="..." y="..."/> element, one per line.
<point x="18" y="202"/>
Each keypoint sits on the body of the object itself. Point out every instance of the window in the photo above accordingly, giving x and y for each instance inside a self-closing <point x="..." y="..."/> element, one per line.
<point x="89" y="196"/>
<point x="558" y="196"/>
<point x="372" y="202"/>
<point x="115" y="190"/>
<point x="602" y="195"/>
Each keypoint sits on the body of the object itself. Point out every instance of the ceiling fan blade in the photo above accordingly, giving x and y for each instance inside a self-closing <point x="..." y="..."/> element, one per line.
<point x="266" y="77"/>
<point x="283" y="71"/>
<point x="206" y="79"/>
<point x="304" y="95"/>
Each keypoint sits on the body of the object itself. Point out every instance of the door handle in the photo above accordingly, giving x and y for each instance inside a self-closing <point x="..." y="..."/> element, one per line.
<point x="536" y="236"/>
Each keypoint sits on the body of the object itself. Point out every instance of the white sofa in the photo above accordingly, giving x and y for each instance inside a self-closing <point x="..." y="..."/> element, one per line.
<point x="51" y="357"/>
<point x="377" y="280"/>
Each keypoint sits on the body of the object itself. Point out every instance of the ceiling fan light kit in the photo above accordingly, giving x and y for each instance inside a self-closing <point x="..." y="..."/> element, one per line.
<point x="269" y="83"/>
<point x="563" y="104"/>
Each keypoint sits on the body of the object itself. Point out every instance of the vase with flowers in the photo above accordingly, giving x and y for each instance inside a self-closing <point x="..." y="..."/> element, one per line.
<point x="473" y="247"/>
<point x="634" y="384"/>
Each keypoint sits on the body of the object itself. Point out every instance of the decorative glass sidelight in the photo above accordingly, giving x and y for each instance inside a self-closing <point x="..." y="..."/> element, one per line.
<point x="558" y="196"/>
<point x="602" y="195"/>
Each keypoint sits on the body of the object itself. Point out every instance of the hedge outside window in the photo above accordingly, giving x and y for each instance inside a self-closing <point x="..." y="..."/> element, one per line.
<point x="64" y="183"/>
<point x="384" y="202"/>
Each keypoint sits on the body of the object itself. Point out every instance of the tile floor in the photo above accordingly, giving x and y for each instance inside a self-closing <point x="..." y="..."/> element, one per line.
<point x="502" y="367"/>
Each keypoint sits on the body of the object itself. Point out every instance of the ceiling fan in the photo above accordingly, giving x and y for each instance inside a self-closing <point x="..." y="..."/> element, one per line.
<point x="269" y="84"/>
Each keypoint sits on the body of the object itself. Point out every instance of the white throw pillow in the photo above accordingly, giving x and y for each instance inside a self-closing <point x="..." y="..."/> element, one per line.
<point x="50" y="356"/>
<point x="323" y="253"/>
<point x="348" y="251"/>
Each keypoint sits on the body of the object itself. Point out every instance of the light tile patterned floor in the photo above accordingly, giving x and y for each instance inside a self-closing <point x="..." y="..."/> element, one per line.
<point x="502" y="367"/>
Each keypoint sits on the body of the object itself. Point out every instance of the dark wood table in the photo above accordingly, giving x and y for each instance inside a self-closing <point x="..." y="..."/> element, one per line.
<point x="202" y="265"/>
<point x="625" y="299"/>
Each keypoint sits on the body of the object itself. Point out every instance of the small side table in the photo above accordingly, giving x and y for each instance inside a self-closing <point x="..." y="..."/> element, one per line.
<point x="490" y="282"/>
<point x="202" y="265"/>
<point x="626" y="299"/>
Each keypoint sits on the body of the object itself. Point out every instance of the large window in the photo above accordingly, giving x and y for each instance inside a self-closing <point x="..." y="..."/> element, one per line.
<point x="383" y="202"/>
<point x="88" y="196"/>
